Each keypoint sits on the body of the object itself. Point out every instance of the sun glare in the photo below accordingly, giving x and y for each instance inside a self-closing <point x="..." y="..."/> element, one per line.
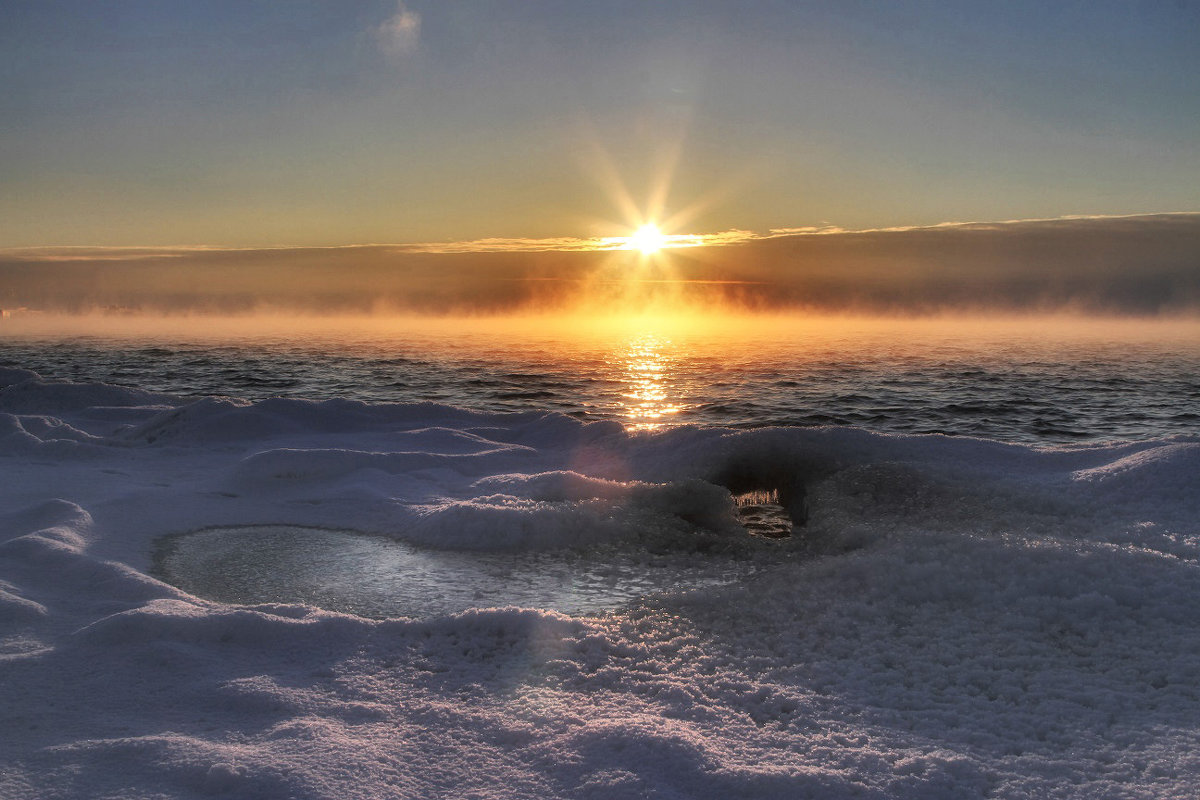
<point x="648" y="238"/>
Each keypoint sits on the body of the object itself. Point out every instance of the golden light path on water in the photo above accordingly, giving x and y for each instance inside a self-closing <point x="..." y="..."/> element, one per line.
<point x="646" y="366"/>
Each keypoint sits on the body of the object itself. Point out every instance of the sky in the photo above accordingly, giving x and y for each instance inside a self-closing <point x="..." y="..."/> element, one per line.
<point x="300" y="124"/>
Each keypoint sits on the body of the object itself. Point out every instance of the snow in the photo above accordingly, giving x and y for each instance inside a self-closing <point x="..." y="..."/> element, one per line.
<point x="957" y="618"/>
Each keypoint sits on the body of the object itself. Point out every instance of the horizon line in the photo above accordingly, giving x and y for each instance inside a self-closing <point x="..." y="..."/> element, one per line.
<point x="731" y="236"/>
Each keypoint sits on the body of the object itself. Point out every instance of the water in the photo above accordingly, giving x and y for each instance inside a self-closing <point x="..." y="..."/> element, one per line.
<point x="374" y="576"/>
<point x="1026" y="381"/>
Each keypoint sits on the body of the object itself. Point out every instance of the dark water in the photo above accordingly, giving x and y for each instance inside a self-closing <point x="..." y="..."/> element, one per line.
<point x="1019" y="382"/>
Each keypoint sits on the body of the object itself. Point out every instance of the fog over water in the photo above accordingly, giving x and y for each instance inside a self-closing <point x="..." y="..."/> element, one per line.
<point x="1145" y="265"/>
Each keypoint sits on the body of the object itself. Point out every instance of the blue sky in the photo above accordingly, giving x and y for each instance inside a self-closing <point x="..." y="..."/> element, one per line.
<point x="319" y="123"/>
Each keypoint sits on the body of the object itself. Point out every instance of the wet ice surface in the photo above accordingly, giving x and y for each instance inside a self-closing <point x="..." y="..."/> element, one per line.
<point x="373" y="576"/>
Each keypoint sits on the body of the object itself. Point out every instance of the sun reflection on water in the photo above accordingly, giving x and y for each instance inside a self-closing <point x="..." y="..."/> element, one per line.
<point x="647" y="367"/>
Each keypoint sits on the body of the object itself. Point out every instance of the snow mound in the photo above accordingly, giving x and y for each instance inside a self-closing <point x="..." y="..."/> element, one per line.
<point x="951" y="617"/>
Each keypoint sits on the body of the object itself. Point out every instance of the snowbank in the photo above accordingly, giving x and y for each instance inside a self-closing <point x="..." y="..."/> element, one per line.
<point x="956" y="617"/>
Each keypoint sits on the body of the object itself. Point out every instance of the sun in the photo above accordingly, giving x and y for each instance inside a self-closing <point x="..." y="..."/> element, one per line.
<point x="648" y="238"/>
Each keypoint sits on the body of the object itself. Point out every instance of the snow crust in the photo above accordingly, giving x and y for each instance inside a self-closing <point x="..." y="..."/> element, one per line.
<point x="958" y="618"/>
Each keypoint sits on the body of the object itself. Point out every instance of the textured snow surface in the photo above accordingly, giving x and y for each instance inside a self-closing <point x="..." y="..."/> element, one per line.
<point x="958" y="618"/>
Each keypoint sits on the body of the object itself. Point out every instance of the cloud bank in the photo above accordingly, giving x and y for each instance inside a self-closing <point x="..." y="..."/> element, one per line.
<point x="1142" y="265"/>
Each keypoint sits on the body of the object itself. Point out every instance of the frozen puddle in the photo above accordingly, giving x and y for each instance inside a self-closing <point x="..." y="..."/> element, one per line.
<point x="373" y="576"/>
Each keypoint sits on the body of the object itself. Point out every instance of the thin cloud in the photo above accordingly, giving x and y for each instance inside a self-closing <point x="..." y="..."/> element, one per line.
<point x="51" y="253"/>
<point x="398" y="34"/>
<point x="808" y="229"/>
<point x="567" y="244"/>
<point x="502" y="245"/>
<point x="1007" y="224"/>
<point x="575" y="244"/>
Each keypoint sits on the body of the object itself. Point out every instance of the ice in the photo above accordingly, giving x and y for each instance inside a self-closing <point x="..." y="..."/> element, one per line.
<point x="953" y="618"/>
<point x="379" y="577"/>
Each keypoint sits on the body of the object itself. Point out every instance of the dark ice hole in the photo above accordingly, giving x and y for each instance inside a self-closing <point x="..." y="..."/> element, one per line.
<point x="771" y="495"/>
<point x="763" y="515"/>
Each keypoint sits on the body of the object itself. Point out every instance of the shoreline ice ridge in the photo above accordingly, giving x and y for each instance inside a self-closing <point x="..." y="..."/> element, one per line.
<point x="970" y="618"/>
